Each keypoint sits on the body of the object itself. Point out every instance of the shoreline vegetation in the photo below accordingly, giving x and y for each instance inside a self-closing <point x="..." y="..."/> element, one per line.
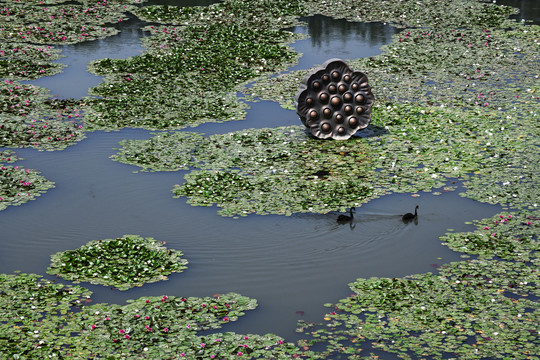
<point x="457" y="98"/>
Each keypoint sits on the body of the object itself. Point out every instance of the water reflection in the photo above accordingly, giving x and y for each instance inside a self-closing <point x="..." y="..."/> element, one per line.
<point x="528" y="9"/>
<point x="338" y="38"/>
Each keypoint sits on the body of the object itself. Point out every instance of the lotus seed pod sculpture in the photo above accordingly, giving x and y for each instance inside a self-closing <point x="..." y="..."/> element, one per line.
<point x="334" y="101"/>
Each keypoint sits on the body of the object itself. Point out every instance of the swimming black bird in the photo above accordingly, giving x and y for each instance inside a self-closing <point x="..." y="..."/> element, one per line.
<point x="345" y="218"/>
<point x="409" y="216"/>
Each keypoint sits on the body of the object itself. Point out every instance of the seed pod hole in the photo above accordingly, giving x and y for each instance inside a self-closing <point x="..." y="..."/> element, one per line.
<point x="336" y="101"/>
<point x="327" y="113"/>
<point x="326" y="127"/>
<point x="324" y="98"/>
<point x="332" y="89"/>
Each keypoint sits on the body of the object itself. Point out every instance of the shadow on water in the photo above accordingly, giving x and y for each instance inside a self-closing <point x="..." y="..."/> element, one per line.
<point x="291" y="265"/>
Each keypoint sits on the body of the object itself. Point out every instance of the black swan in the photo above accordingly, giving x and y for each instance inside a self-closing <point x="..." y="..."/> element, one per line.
<point x="345" y="218"/>
<point x="409" y="216"/>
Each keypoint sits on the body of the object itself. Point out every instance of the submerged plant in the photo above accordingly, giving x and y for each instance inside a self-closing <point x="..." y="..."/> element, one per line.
<point x="122" y="262"/>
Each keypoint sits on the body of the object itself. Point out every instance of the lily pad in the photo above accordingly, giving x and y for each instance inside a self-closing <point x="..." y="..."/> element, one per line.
<point x="19" y="185"/>
<point x="508" y="236"/>
<point x="122" y="262"/>
<point x="186" y="77"/>
<point x="40" y="318"/>
<point x="470" y="310"/>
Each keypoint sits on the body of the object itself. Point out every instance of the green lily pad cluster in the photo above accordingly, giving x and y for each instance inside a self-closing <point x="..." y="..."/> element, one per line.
<point x="508" y="236"/>
<point x="283" y="170"/>
<point x="259" y="14"/>
<point x="8" y="156"/>
<point x="123" y="262"/>
<point x="67" y="325"/>
<point x="19" y="185"/>
<point x="469" y="310"/>
<point x="162" y="152"/>
<point x="167" y="327"/>
<point x="187" y="76"/>
<point x="30" y="118"/>
<point x="61" y="23"/>
<point x="36" y="314"/>
<point x="410" y="13"/>
<point x="20" y="61"/>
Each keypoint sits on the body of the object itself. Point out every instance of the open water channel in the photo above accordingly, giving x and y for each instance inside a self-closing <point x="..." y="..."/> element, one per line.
<point x="291" y="265"/>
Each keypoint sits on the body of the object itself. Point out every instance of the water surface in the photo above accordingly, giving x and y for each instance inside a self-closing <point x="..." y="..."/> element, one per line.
<point x="529" y="10"/>
<point x="291" y="265"/>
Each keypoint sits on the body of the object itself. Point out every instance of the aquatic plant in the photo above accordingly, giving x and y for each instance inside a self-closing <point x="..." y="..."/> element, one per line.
<point x="259" y="14"/>
<point x="123" y="262"/>
<point x="19" y="185"/>
<point x="67" y="325"/>
<point x="162" y="152"/>
<point x="24" y="61"/>
<point x="509" y="236"/>
<point x="35" y="314"/>
<point x="31" y="119"/>
<point x="186" y="77"/>
<point x="410" y="13"/>
<point x="283" y="170"/>
<point x="471" y="309"/>
<point x="58" y="23"/>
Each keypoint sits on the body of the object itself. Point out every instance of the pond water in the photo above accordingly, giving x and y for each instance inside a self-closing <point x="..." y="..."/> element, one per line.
<point x="528" y="9"/>
<point x="291" y="265"/>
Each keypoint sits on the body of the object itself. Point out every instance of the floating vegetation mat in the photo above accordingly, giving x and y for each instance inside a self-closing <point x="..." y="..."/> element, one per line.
<point x="31" y="119"/>
<point x="457" y="100"/>
<point x="17" y="184"/>
<point x="55" y="22"/>
<point x="68" y="326"/>
<point x="187" y="77"/>
<point x="470" y="310"/>
<point x="284" y="170"/>
<point x="22" y="61"/>
<point x="122" y="262"/>
<point x="508" y="236"/>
